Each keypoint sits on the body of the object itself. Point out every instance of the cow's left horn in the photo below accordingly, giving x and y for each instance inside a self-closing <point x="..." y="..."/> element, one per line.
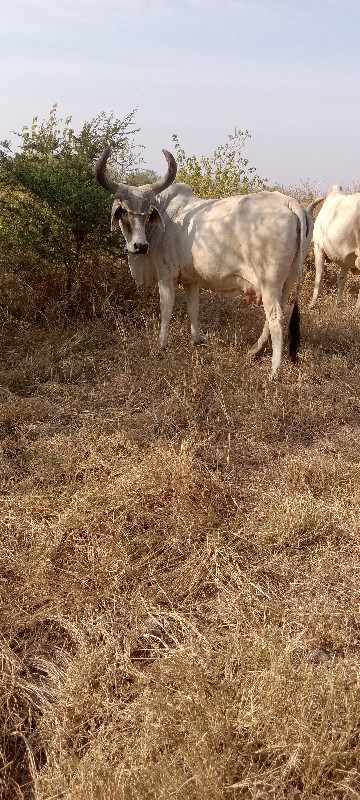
<point x="170" y="176"/>
<point x="100" y="172"/>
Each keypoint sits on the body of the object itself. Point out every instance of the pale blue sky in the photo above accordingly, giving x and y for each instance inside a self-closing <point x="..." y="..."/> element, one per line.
<point x="287" y="71"/>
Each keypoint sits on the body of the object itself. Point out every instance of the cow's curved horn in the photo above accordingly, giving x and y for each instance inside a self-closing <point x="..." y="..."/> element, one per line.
<point x="161" y="184"/>
<point x="100" y="172"/>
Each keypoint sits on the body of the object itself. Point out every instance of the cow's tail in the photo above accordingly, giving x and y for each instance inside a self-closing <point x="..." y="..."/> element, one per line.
<point x="306" y="220"/>
<point x="294" y="325"/>
<point x="311" y="207"/>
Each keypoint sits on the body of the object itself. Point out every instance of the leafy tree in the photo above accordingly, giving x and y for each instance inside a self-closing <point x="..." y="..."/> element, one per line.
<point x="53" y="213"/>
<point x="224" y="173"/>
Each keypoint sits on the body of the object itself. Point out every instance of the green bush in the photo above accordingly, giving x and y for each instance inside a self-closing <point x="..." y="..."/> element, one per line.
<point x="54" y="217"/>
<point x="224" y="173"/>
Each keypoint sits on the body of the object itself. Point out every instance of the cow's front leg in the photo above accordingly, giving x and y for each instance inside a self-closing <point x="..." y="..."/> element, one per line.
<point x="192" y="304"/>
<point x="167" y="299"/>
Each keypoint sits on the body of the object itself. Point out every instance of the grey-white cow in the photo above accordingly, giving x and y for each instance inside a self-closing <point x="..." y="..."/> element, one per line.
<point x="337" y="238"/>
<point x="255" y="242"/>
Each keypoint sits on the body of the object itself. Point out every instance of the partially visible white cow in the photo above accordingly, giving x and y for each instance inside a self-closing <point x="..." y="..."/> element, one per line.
<point x="337" y="237"/>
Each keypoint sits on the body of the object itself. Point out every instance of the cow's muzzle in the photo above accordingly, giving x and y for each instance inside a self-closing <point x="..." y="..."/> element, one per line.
<point x="136" y="248"/>
<point x="141" y="248"/>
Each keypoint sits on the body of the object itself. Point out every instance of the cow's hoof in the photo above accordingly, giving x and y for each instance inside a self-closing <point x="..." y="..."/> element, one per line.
<point x="252" y="357"/>
<point x="255" y="352"/>
<point x="274" y="376"/>
<point x="200" y="342"/>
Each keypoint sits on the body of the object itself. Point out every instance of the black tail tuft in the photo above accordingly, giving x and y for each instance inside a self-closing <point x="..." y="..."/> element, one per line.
<point x="294" y="333"/>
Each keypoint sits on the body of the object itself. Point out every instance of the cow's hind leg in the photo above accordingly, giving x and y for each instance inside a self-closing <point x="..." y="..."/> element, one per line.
<point x="275" y="317"/>
<point x="192" y="304"/>
<point x="341" y="284"/>
<point x="357" y="266"/>
<point x="357" y="305"/>
<point x="167" y="299"/>
<point x="258" y="347"/>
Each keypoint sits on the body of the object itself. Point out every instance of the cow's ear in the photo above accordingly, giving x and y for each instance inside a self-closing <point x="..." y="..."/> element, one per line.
<point x="156" y="217"/>
<point x="115" y="215"/>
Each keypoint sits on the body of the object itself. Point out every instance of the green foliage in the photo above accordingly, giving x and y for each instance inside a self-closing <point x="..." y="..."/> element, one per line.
<point x="31" y="235"/>
<point x="224" y="173"/>
<point x="54" y="216"/>
<point x="140" y="177"/>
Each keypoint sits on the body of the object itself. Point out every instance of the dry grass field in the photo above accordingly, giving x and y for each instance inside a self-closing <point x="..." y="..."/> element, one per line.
<point x="180" y="558"/>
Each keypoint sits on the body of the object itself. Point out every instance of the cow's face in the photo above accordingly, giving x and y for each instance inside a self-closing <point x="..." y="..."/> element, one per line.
<point x="133" y="222"/>
<point x="133" y="209"/>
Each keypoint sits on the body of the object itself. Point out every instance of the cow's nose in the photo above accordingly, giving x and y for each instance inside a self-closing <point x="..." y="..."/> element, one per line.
<point x="141" y="248"/>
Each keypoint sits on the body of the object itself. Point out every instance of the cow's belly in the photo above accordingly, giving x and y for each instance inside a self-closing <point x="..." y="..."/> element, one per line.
<point x="223" y="272"/>
<point x="340" y="253"/>
<point x="231" y="286"/>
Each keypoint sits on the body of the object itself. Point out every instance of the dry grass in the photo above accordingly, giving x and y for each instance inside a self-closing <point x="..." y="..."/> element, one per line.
<point x="180" y="559"/>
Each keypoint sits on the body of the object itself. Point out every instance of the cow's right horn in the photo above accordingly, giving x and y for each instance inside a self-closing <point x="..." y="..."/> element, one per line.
<point x="100" y="172"/>
<point x="161" y="184"/>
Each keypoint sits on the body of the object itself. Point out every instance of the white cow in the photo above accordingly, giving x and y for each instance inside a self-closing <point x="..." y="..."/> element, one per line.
<point x="337" y="238"/>
<point x="253" y="243"/>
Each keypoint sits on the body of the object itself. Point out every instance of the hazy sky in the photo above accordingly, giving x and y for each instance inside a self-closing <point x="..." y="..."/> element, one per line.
<point x="286" y="70"/>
